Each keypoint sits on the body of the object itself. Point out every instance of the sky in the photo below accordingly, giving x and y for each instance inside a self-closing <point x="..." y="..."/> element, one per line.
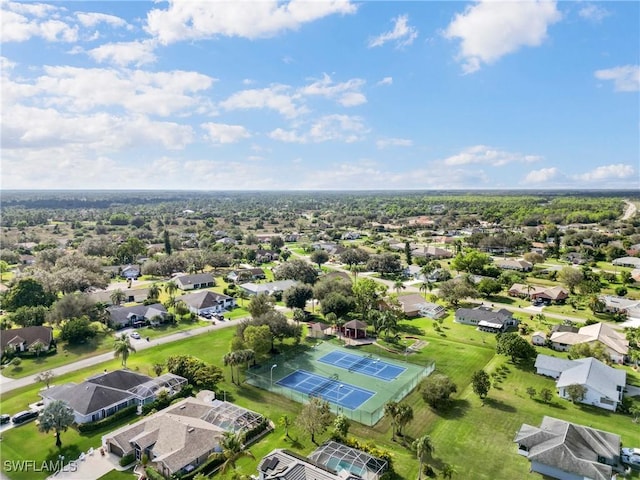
<point x="320" y="95"/>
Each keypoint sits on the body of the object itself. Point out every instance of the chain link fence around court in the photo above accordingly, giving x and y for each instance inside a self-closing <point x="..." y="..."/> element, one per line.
<point x="266" y="376"/>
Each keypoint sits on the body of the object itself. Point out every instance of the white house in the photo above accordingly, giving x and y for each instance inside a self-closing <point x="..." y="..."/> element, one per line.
<point x="206" y="301"/>
<point x="604" y="385"/>
<point x="539" y="338"/>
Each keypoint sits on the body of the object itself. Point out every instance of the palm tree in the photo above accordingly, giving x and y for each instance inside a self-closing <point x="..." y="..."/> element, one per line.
<point x="117" y="297"/>
<point x="423" y="448"/>
<point x="242" y="295"/>
<point x="391" y="411"/>
<point x="389" y="322"/>
<point x="285" y="421"/>
<point x="122" y="348"/>
<point x="298" y="315"/>
<point x="232" y="450"/>
<point x="171" y="288"/>
<point x="231" y="360"/>
<point x="154" y="291"/>
<point x="398" y="286"/>
<point x="448" y="470"/>
<point x="424" y="287"/>
<point x="403" y="416"/>
<point x="56" y="416"/>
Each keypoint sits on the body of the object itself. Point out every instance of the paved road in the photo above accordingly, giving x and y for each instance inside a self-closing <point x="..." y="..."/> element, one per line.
<point x="8" y="384"/>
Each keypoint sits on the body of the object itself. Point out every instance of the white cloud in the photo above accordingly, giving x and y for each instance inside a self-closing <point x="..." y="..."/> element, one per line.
<point x="488" y="30"/>
<point x="625" y="78"/>
<point x="92" y="19"/>
<point x="393" y="142"/>
<point x="403" y="34"/>
<point x="248" y="81"/>
<point x="136" y="91"/>
<point x="188" y="20"/>
<point x="609" y="172"/>
<point x="276" y="97"/>
<point x="124" y="53"/>
<point x="482" y="154"/>
<point x="221" y="133"/>
<point x="385" y="81"/>
<point x="20" y="22"/>
<point x="541" y="176"/>
<point x="346" y="93"/>
<point x="340" y="128"/>
<point x="594" y="13"/>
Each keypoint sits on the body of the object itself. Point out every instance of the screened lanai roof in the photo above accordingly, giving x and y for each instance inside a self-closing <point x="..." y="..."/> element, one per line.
<point x="231" y="418"/>
<point x="337" y="456"/>
<point x="168" y="381"/>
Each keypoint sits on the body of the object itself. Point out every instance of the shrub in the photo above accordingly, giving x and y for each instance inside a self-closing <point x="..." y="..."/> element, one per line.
<point x="153" y="474"/>
<point x="92" y="426"/>
<point x="128" y="459"/>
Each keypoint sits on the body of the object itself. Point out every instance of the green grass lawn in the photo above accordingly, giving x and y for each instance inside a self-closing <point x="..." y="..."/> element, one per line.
<point x="474" y="436"/>
<point x="117" y="475"/>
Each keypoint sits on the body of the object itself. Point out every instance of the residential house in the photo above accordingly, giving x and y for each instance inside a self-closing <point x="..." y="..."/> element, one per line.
<point x="513" y="264"/>
<point x="193" y="282"/>
<point x="486" y="319"/>
<point x="207" y="301"/>
<point x="268" y="288"/>
<point x="415" y="305"/>
<point x="23" y="339"/>
<point x="575" y="258"/>
<point x="539" y="338"/>
<point x="350" y="236"/>
<point x="130" y="272"/>
<point x="131" y="295"/>
<point x="431" y="251"/>
<point x="227" y="241"/>
<point x="626" y="306"/>
<point x="615" y="344"/>
<point x="331" y="248"/>
<point x="137" y="315"/>
<point x="182" y="436"/>
<point x="631" y="262"/>
<point x="330" y="461"/>
<point x="555" y="294"/>
<point x="604" y="385"/>
<point x="245" y="275"/>
<point x="318" y="329"/>
<point x="568" y="451"/>
<point x="292" y="237"/>
<point x="107" y="393"/>
<point x="266" y="256"/>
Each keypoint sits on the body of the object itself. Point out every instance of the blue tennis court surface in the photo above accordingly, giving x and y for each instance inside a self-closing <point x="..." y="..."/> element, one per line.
<point x="373" y="367"/>
<point x="330" y="389"/>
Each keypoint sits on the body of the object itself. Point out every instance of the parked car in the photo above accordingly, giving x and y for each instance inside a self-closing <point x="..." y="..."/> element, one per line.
<point x="4" y="418"/>
<point x="631" y="456"/>
<point x="25" y="416"/>
<point x="135" y="335"/>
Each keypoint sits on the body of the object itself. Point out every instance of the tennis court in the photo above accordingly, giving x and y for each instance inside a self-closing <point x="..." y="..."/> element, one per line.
<point x="330" y="389"/>
<point x="354" y="383"/>
<point x="366" y="365"/>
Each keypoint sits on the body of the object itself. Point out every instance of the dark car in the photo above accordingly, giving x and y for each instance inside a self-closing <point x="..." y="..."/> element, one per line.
<point x="25" y="416"/>
<point x="4" y="418"/>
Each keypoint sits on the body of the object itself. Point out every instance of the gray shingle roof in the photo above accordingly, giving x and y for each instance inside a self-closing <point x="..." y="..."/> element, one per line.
<point x="29" y="335"/>
<point x="198" y="278"/>
<point x="204" y="299"/>
<point x="570" y="447"/>
<point x="121" y="315"/>
<point x="87" y="398"/>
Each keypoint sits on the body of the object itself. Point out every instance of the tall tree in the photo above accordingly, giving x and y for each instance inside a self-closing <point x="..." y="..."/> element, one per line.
<point x="514" y="346"/>
<point x="576" y="392"/>
<point x="314" y="418"/>
<point x="297" y="296"/>
<point x="154" y="291"/>
<point x="391" y="411"/>
<point x="57" y="416"/>
<point x="319" y="257"/>
<point x="171" y="288"/>
<point x="122" y="348"/>
<point x="403" y="416"/>
<point x="481" y="383"/>
<point x="260" y="304"/>
<point x="167" y="243"/>
<point x="423" y="448"/>
<point x="436" y="390"/>
<point x="27" y="292"/>
<point x="45" y="377"/>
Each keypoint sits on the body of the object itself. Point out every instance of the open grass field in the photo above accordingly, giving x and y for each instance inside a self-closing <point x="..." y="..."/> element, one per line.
<point x="474" y="436"/>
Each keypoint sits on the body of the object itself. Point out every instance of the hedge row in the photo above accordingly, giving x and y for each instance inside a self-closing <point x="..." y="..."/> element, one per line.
<point x="128" y="459"/>
<point x="92" y="426"/>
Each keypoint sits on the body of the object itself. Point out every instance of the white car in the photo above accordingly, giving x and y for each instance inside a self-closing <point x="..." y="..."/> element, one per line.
<point x="135" y="335"/>
<point x="631" y="456"/>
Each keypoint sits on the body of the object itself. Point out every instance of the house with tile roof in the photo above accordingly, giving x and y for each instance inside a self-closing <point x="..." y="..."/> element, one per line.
<point x="268" y="288"/>
<point x="614" y="342"/>
<point x="550" y="294"/>
<point x="604" y="385"/>
<point x="569" y="451"/>
<point x="513" y="264"/>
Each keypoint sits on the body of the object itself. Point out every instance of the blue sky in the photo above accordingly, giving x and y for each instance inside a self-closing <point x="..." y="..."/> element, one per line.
<point x="311" y="95"/>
